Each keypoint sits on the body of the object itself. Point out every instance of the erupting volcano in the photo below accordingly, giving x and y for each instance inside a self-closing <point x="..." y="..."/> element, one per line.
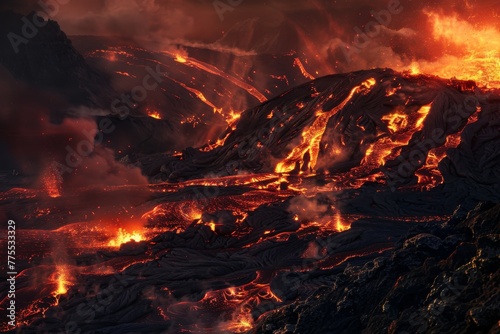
<point x="265" y="167"/>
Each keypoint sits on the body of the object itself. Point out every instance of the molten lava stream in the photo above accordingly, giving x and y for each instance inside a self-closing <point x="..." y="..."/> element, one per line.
<point x="479" y="56"/>
<point x="235" y="308"/>
<point x="323" y="224"/>
<point x="86" y="237"/>
<point x="402" y="127"/>
<point x="123" y="237"/>
<point x="248" y="179"/>
<point x="40" y="288"/>
<point x="429" y="175"/>
<point x="311" y="136"/>
<point x="62" y="277"/>
<point x="214" y="70"/>
<point x="297" y="62"/>
<point x="154" y="114"/>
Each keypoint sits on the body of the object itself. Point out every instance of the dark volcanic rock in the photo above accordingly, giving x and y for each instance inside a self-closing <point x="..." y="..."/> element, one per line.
<point x="214" y="253"/>
<point x="426" y="285"/>
<point x="351" y="114"/>
<point x="48" y="60"/>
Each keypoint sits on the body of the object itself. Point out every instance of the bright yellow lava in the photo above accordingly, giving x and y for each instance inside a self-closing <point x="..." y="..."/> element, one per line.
<point x="479" y="58"/>
<point x="154" y="114"/>
<point x="180" y="59"/>
<point x="339" y="225"/>
<point x="123" y="237"/>
<point x="62" y="279"/>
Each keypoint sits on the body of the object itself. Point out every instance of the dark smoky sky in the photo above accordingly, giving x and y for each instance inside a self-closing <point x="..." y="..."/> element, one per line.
<point x="197" y="20"/>
<point x="313" y="28"/>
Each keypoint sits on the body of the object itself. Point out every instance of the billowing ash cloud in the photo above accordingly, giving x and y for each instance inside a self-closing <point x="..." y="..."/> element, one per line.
<point x="34" y="139"/>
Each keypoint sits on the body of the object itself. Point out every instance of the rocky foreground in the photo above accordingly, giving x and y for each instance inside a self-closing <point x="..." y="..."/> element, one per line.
<point x="439" y="279"/>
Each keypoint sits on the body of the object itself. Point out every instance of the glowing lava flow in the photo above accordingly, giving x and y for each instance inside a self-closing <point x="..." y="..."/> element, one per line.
<point x="306" y="74"/>
<point x="311" y="136"/>
<point x="154" y="114"/>
<point x="480" y="58"/>
<point x="180" y="59"/>
<point x="123" y="237"/>
<point x="199" y="95"/>
<point x="232" y="119"/>
<point x="214" y="70"/>
<point x="400" y="125"/>
<point x="423" y="111"/>
<point x="339" y="225"/>
<point x="241" y="323"/>
<point x="396" y="121"/>
<point x="62" y="278"/>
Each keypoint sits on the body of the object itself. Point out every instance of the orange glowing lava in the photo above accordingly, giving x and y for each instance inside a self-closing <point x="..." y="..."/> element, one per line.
<point x="241" y="323"/>
<point x="479" y="58"/>
<point x="311" y="136"/>
<point x="62" y="279"/>
<point x="396" y="121"/>
<point x="423" y="111"/>
<point x="154" y="114"/>
<point x="123" y="237"/>
<point x="303" y="70"/>
<point x="179" y="58"/>
<point x="193" y="213"/>
<point x="214" y="70"/>
<point x="340" y="226"/>
<point x="240" y="300"/>
<point x="232" y="118"/>
<point x="200" y="96"/>
<point x="111" y="56"/>
<point x="385" y="149"/>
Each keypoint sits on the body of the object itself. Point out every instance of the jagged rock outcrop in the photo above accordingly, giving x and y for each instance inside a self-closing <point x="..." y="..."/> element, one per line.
<point x="46" y="58"/>
<point x="439" y="279"/>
